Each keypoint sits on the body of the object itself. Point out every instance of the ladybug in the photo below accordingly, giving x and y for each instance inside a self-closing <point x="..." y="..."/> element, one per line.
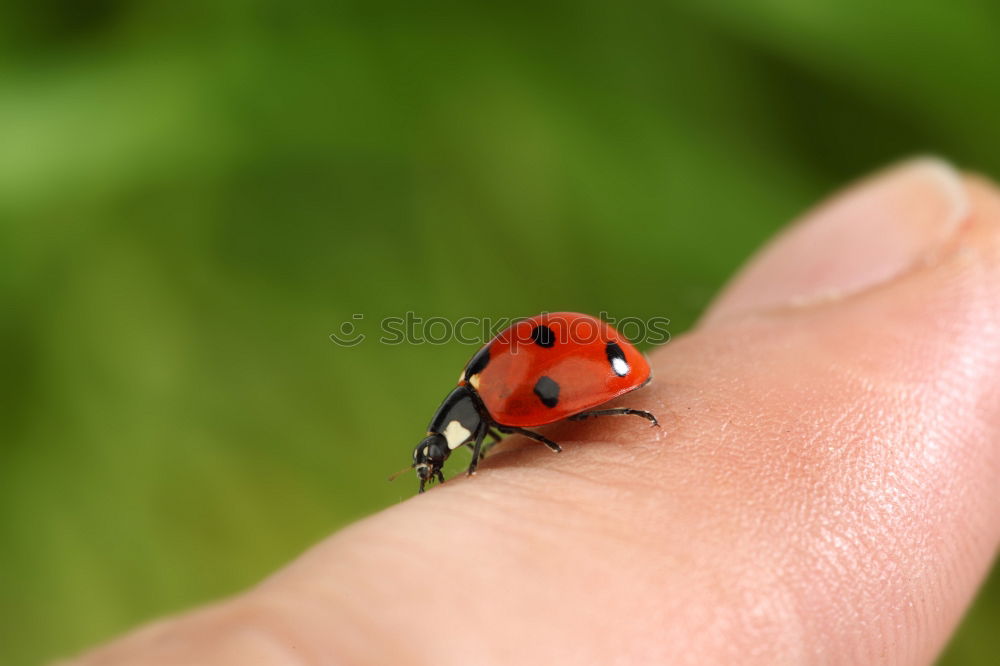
<point x="547" y="368"/>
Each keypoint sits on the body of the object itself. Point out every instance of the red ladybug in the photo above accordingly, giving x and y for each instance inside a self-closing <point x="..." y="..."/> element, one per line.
<point x="547" y="368"/>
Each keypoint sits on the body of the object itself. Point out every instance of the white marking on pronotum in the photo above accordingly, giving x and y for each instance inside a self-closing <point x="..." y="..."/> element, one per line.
<point x="474" y="381"/>
<point x="619" y="365"/>
<point x="456" y="434"/>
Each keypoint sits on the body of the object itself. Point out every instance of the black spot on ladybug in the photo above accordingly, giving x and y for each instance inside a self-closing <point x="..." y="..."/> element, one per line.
<point x="478" y="362"/>
<point x="547" y="391"/>
<point x="543" y="336"/>
<point x="616" y="357"/>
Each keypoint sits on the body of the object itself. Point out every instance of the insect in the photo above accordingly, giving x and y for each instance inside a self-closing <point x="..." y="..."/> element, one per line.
<point x="547" y="368"/>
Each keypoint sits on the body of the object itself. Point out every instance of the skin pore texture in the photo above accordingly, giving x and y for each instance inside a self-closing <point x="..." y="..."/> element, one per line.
<point x="822" y="490"/>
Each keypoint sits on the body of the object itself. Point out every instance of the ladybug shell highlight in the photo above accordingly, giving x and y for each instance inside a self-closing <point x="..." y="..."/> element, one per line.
<point x="552" y="366"/>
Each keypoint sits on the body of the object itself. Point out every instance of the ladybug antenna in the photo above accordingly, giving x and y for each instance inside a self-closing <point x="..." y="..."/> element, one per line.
<point x="400" y="472"/>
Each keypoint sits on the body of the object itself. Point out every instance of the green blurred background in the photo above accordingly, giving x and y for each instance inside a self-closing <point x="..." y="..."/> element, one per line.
<point x="194" y="195"/>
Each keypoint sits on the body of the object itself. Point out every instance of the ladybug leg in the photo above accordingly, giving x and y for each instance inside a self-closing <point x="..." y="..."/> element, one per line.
<point x="490" y="432"/>
<point x="532" y="435"/>
<point x="477" y="448"/>
<point x="621" y="410"/>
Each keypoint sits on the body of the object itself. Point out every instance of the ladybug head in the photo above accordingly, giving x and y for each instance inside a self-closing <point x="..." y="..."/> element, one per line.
<point x="429" y="457"/>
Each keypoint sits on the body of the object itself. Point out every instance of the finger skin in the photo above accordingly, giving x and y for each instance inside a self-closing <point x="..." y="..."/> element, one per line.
<point x="822" y="491"/>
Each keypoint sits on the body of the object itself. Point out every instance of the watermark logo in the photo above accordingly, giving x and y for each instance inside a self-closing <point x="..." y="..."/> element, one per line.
<point x="412" y="329"/>
<point x="348" y="335"/>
